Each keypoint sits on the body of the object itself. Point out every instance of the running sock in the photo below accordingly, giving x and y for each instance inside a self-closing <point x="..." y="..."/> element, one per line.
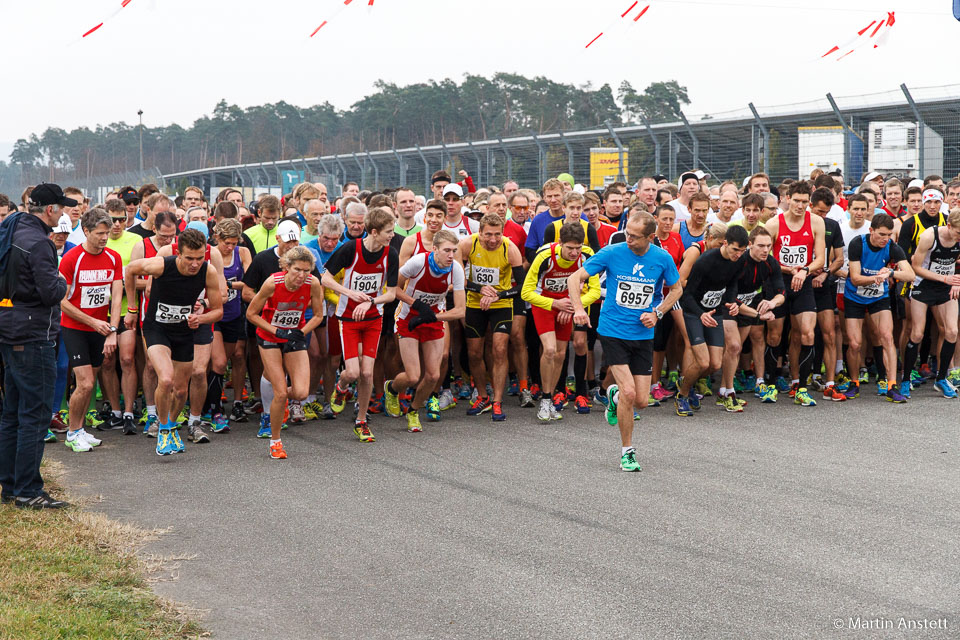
<point x="266" y="393"/>
<point x="805" y="362"/>
<point x="909" y="358"/>
<point x="878" y="360"/>
<point x="127" y="414"/>
<point x="580" y="374"/>
<point x="623" y="450"/>
<point x="839" y="366"/>
<point x="946" y="355"/>
<point x="194" y="418"/>
<point x="770" y="362"/>
<point x="524" y="384"/>
<point x="117" y="414"/>
<point x="152" y="410"/>
<point x="273" y="442"/>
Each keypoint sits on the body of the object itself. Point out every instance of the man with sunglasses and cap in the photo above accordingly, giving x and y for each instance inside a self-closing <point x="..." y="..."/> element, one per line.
<point x="29" y="324"/>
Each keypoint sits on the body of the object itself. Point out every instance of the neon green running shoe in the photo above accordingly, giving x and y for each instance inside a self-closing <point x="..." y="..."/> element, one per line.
<point x="731" y="404"/>
<point x="50" y="437"/>
<point x="612" y="405"/>
<point x="628" y="461"/>
<point x="703" y="387"/>
<point x="91" y="419"/>
<point x="391" y="401"/>
<point x="803" y="398"/>
<point x="413" y="421"/>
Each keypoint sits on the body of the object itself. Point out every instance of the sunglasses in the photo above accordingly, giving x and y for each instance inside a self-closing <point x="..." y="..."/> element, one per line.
<point x="521" y="208"/>
<point x="120" y="219"/>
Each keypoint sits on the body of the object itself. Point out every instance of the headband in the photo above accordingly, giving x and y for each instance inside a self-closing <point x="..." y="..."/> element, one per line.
<point x="932" y="194"/>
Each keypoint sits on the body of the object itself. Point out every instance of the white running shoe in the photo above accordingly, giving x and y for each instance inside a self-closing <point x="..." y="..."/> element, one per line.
<point x="447" y="400"/>
<point x="88" y="437"/>
<point x="543" y="413"/>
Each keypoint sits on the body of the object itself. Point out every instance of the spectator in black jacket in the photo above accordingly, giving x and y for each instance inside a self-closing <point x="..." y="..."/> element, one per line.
<point x="29" y="326"/>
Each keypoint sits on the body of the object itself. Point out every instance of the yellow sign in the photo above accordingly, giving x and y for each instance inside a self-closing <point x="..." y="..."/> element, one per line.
<point x="605" y="167"/>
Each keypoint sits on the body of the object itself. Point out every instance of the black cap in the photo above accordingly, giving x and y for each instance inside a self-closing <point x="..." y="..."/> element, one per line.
<point x="46" y="193"/>
<point x="130" y="196"/>
<point x="660" y="177"/>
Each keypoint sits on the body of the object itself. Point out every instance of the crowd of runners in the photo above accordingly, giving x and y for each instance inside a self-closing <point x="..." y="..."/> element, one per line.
<point x="183" y="315"/>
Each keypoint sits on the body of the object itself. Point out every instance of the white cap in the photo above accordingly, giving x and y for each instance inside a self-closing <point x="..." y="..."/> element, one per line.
<point x="701" y="175"/>
<point x="64" y="225"/>
<point x="746" y="181"/>
<point x="873" y="175"/>
<point x="453" y="187"/>
<point x="288" y="231"/>
<point x="579" y="188"/>
<point x="916" y="182"/>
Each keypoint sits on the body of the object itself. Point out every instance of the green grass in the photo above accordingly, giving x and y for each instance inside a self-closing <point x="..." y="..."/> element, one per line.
<point x="74" y="574"/>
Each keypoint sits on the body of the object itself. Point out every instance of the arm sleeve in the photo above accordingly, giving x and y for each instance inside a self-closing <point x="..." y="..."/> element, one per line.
<point x="513" y="291"/>
<point x="252" y="277"/>
<point x="529" y="290"/>
<point x="593" y="291"/>
<point x="549" y="235"/>
<point x="245" y="239"/>
<point x="730" y="295"/>
<point x="593" y="240"/>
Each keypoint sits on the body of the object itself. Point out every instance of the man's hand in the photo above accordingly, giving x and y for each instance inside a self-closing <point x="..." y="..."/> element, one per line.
<point x="489" y="292"/>
<point x="101" y="327"/>
<point x="819" y="280"/>
<point x="130" y="320"/>
<point x="581" y="319"/>
<point x="564" y="317"/>
<point x="798" y="278"/>
<point x="733" y="309"/>
<point x="764" y="307"/>
<point x="486" y="301"/>
<point x="360" y="311"/>
<point x="110" y="344"/>
<point x="648" y="319"/>
<point x="766" y="316"/>
<point x="563" y="305"/>
<point x="193" y="321"/>
<point x="953" y="280"/>
<point x="463" y="174"/>
<point x="707" y="318"/>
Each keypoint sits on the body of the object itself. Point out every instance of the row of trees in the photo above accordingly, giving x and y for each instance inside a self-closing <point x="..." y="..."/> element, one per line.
<point x="391" y="117"/>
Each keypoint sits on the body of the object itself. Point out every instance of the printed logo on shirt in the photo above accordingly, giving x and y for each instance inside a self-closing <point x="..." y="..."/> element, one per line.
<point x="94" y="275"/>
<point x="638" y="270"/>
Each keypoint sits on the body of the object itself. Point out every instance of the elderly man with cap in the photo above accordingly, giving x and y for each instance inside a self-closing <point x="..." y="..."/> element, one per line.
<point x="29" y="324"/>
<point x="689" y="184"/>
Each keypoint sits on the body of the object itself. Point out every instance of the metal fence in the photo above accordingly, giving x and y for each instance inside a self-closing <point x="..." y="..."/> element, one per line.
<point x="902" y="132"/>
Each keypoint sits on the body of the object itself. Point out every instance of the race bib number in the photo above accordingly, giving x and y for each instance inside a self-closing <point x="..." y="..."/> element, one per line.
<point x="711" y="299"/>
<point x="793" y="256"/>
<point x="942" y="269"/>
<point x="172" y="314"/>
<point x="747" y="298"/>
<point x="231" y="292"/>
<point x="432" y="299"/>
<point x="870" y="291"/>
<point x="555" y="285"/>
<point x="95" y="297"/>
<point x="287" y="319"/>
<point x="634" y="295"/>
<point x="368" y="283"/>
<point x="485" y="275"/>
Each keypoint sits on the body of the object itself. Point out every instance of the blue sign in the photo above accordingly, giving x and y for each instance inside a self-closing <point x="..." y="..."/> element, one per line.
<point x="291" y="179"/>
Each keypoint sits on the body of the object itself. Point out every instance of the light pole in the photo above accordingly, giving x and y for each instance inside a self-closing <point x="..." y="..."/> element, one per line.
<point x="140" y="114"/>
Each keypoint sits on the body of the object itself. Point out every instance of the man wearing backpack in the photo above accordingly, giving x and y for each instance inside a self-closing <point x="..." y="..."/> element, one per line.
<point x="31" y="288"/>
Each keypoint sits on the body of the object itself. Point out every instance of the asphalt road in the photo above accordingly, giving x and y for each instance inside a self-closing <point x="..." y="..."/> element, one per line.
<point x="781" y="522"/>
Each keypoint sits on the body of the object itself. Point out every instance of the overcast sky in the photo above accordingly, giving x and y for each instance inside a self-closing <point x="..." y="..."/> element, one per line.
<point x="176" y="58"/>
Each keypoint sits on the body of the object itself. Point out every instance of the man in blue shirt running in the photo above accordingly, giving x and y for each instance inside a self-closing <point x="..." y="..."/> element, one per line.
<point x="637" y="271"/>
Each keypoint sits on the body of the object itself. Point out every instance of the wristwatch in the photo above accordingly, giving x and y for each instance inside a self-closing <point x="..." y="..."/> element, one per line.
<point x="658" y="313"/>
<point x="807" y="269"/>
<point x="113" y="329"/>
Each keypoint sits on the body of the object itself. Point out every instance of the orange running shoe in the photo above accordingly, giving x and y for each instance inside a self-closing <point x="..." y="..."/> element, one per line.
<point x="831" y="393"/>
<point x="277" y="452"/>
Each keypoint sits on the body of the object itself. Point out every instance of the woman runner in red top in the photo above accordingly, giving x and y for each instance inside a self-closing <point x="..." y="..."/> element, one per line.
<point x="277" y="312"/>
<point x="428" y="277"/>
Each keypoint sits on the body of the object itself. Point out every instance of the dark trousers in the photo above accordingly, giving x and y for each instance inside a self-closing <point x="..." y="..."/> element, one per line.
<point x="30" y="372"/>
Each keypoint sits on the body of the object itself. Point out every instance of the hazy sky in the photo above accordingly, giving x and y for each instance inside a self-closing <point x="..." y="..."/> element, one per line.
<point x="176" y="58"/>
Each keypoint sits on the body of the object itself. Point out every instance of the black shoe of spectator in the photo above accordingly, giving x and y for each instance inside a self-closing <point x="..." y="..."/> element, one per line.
<point x="42" y="501"/>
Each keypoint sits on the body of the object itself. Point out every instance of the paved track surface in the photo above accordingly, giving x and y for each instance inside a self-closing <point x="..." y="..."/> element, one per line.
<point x="781" y="522"/>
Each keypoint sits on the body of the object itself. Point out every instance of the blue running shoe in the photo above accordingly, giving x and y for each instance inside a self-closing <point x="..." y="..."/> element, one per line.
<point x="904" y="389"/>
<point x="947" y="389"/>
<point x="694" y="402"/>
<point x="220" y="423"/>
<point x="682" y="405"/>
<point x="264" y="431"/>
<point x="466" y="390"/>
<point x="782" y="385"/>
<point x="600" y="397"/>
<point x="514" y="388"/>
<point x="882" y="387"/>
<point x="433" y="409"/>
<point x="165" y="444"/>
<point x="177" y="442"/>
<point x="917" y="379"/>
<point x="151" y="422"/>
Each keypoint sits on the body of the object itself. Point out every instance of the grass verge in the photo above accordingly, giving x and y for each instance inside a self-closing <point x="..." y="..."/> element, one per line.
<point x="76" y="574"/>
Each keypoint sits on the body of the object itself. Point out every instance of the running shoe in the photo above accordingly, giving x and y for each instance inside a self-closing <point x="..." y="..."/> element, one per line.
<point x="740" y="381"/>
<point x="183" y="419"/>
<point x="253" y="405"/>
<point x="673" y="382"/>
<point x="465" y="391"/>
<point x="944" y="387"/>
<point x="151" y="427"/>
<point x="559" y="399"/>
<point x="129" y="425"/>
<point x="571" y="383"/>
<point x="853" y="391"/>
<point x="658" y="392"/>
<point x="327" y="413"/>
<point x="113" y="423"/>
<point x="611" y="412"/>
<point x="628" y="461"/>
<point x="310" y="410"/>
<point x="480" y="405"/>
<point x="768" y="394"/>
<point x="177" y="442"/>
<point x="514" y="388"/>
<point x="954" y="377"/>
<point x="413" y="421"/>
<point x="447" y="401"/>
<point x="802" y="398"/>
<point x="165" y="445"/>
<point x="58" y="424"/>
<point x="376" y="405"/>
<point x="703" y="387"/>
<point x="904" y="390"/>
<point x="526" y="398"/>
<point x="265" y="431"/>
<point x="737" y="401"/>
<point x="882" y="387"/>
<point x="392" y="404"/>
<point x="77" y="443"/>
<point x="339" y="399"/>
<point x="730" y="404"/>
<point x="474" y="394"/>
<point x="842" y="378"/>
<point x="50" y="437"/>
<point x="816" y="383"/>
<point x="782" y="385"/>
<point x="433" y="409"/>
<point x="196" y="434"/>
<point x="916" y="379"/>
<point x="297" y="414"/>
<point x="864" y="375"/>
<point x="682" y="405"/>
<point x="277" y="452"/>
<point x="498" y="414"/>
<point x="92" y="419"/>
<point x="694" y="402"/>
<point x="535" y="391"/>
<point x="652" y="402"/>
<point x="543" y="413"/>
<point x="220" y="423"/>
<point x="600" y="396"/>
<point x="831" y="393"/>
<point x="793" y="389"/>
<point x="554" y="414"/>
<point x="895" y="396"/>
<point x="88" y="437"/>
<point x="363" y="432"/>
<point x="583" y="405"/>
<point x="926" y="371"/>
<point x="405" y="400"/>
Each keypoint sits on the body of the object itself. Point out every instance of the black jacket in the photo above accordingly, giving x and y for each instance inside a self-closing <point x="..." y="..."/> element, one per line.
<point x="35" y="311"/>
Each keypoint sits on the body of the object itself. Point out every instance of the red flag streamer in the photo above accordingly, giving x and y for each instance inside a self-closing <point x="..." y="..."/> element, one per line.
<point x="336" y="13"/>
<point x="622" y="15"/>
<point x="879" y="33"/>
<point x="92" y="30"/>
<point x="123" y="4"/>
<point x="594" y="40"/>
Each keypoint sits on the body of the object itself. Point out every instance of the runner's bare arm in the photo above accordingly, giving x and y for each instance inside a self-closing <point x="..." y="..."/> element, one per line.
<point x="216" y="287"/>
<point x="459" y="307"/>
<point x="256" y="306"/>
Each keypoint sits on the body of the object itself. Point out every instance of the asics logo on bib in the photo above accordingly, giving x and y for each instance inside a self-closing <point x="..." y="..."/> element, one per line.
<point x="366" y="283"/>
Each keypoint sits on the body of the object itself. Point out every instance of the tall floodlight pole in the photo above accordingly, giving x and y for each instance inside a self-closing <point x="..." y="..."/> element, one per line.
<point x="140" y="114"/>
